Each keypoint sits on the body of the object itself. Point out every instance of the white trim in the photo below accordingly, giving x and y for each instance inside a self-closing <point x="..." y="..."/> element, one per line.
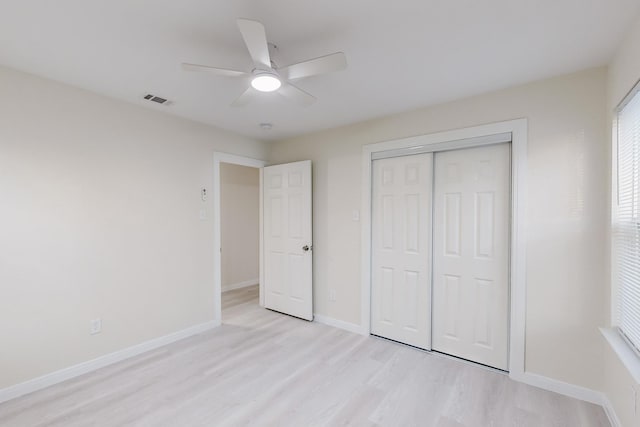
<point x="477" y="141"/>
<point x="518" y="246"/>
<point x="613" y="211"/>
<point x="610" y="412"/>
<point x="65" y="374"/>
<point x="219" y="157"/>
<point x="261" y="216"/>
<point x="239" y="285"/>
<point x="571" y="390"/>
<point x="623" y="350"/>
<point x="561" y="387"/>
<point x="606" y="403"/>
<point x="340" y="324"/>
<point x="518" y="129"/>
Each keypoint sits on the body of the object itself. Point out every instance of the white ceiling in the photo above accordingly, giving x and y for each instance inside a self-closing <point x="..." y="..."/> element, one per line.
<point x="402" y="54"/>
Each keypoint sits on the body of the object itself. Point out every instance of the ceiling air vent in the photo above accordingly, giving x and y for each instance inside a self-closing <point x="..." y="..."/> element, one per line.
<point x="157" y="99"/>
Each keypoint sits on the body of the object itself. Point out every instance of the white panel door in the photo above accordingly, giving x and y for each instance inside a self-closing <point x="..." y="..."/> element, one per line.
<point x="287" y="239"/>
<point x="471" y="254"/>
<point x="401" y="255"/>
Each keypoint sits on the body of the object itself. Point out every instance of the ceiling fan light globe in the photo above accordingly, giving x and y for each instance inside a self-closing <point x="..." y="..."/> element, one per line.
<point x="266" y="83"/>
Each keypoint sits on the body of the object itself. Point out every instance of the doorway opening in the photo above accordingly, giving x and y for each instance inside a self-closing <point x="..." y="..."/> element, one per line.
<point x="239" y="237"/>
<point x="284" y="219"/>
<point x="220" y="162"/>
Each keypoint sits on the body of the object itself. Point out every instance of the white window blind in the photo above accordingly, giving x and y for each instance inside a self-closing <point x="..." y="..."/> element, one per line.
<point x="626" y="221"/>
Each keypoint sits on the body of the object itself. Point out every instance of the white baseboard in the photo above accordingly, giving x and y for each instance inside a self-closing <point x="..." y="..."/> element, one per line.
<point x="240" y="285"/>
<point x="65" y="374"/>
<point x="340" y="324"/>
<point x="571" y="390"/>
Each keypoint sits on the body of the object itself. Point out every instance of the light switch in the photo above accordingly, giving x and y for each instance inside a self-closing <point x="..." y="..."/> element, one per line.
<point x="355" y="215"/>
<point x="203" y="214"/>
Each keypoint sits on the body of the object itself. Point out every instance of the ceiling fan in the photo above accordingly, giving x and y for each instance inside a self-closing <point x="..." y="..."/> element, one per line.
<point x="266" y="76"/>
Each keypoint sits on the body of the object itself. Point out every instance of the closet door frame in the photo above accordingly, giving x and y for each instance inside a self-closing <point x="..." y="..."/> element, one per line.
<point x="450" y="140"/>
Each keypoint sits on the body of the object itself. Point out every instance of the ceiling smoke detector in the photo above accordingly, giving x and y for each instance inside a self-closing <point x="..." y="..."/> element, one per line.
<point x="266" y="126"/>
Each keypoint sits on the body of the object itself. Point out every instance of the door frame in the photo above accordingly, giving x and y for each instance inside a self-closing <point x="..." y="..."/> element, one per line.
<point x="448" y="140"/>
<point x="220" y="157"/>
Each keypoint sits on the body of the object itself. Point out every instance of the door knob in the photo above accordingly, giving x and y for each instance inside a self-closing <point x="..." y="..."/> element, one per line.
<point x="306" y="248"/>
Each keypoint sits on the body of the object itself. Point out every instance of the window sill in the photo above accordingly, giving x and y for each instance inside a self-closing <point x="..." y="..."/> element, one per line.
<point x="620" y="347"/>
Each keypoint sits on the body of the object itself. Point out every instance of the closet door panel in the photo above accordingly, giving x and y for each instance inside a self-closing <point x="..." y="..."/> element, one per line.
<point x="471" y="254"/>
<point x="401" y="249"/>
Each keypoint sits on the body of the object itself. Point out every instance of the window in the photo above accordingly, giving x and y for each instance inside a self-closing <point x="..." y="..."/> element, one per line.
<point x="626" y="220"/>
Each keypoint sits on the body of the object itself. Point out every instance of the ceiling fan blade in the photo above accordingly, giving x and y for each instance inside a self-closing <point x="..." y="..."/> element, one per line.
<point x="255" y="38"/>
<point x="297" y="95"/>
<point x="247" y="96"/>
<point x="213" y="70"/>
<point x="324" y="64"/>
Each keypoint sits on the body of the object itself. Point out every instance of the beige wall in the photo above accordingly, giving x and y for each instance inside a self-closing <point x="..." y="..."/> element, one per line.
<point x="239" y="224"/>
<point x="99" y="217"/>
<point x="624" y="72"/>
<point x="566" y="189"/>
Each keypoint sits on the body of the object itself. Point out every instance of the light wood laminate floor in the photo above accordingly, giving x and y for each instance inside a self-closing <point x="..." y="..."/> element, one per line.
<point x="266" y="369"/>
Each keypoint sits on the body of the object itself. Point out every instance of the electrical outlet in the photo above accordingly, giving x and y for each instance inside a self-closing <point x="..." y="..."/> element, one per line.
<point x="332" y="295"/>
<point x="96" y="326"/>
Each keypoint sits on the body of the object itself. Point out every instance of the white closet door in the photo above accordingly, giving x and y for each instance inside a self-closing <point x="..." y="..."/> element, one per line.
<point x="401" y="241"/>
<point x="287" y="239"/>
<point x="471" y="254"/>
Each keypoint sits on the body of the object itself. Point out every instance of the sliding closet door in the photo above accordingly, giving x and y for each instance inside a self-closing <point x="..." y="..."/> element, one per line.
<point x="401" y="243"/>
<point x="471" y="254"/>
